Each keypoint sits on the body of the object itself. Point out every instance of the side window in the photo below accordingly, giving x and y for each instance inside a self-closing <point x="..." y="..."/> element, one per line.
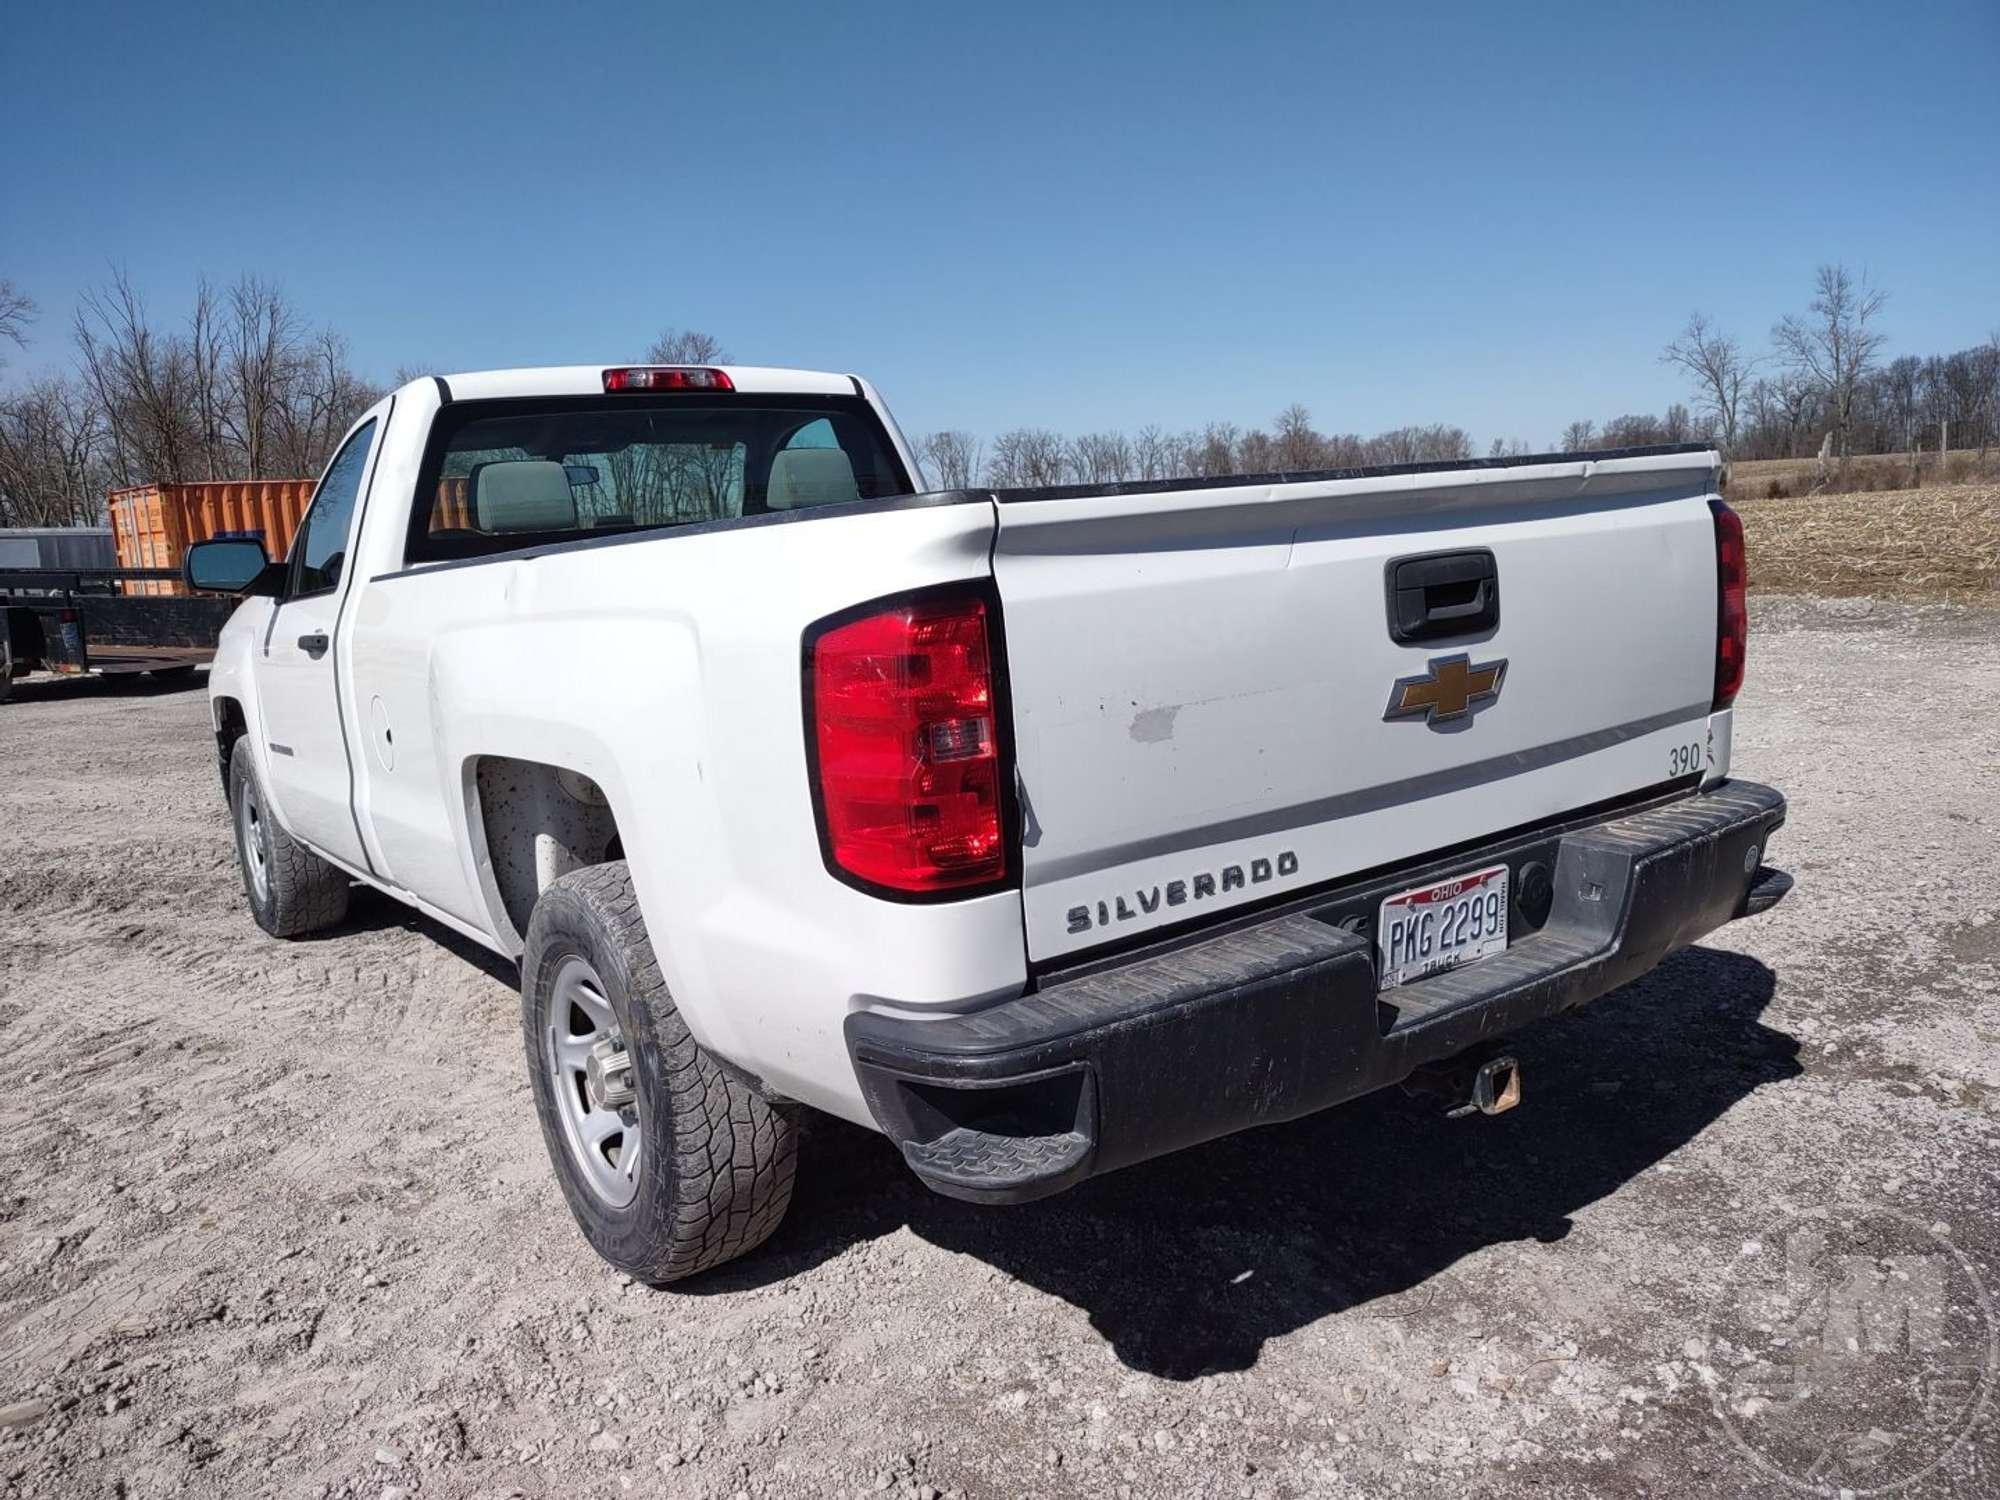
<point x="321" y="550"/>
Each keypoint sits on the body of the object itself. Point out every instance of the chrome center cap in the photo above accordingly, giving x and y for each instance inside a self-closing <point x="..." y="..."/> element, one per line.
<point x="607" y="1076"/>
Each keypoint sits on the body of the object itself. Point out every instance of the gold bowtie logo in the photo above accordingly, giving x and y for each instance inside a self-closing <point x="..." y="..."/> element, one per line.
<point x="1451" y="689"/>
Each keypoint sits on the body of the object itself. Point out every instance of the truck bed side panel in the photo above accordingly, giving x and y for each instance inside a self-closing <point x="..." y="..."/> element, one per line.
<point x="666" y="668"/>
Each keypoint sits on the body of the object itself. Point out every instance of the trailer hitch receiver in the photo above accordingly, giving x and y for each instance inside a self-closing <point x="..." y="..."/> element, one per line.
<point x="1496" y="1088"/>
<point x="1480" y="1082"/>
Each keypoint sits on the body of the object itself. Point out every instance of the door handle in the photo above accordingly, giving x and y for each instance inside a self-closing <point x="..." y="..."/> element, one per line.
<point x="313" y="645"/>
<point x="1443" y="594"/>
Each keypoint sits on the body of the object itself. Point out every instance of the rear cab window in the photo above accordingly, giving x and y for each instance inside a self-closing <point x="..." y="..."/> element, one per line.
<point x="500" y="476"/>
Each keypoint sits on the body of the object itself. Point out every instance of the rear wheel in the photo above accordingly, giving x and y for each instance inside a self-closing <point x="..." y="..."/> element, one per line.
<point x="670" y="1163"/>
<point x="292" y="890"/>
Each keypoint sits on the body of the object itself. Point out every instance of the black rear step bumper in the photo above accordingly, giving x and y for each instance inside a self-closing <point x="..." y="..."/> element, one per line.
<point x="1278" y="1019"/>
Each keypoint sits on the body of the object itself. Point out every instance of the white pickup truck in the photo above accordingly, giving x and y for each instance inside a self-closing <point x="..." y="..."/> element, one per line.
<point x="1044" y="831"/>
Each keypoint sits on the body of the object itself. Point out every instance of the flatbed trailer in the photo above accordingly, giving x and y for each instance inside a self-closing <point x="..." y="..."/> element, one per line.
<point x="83" y="620"/>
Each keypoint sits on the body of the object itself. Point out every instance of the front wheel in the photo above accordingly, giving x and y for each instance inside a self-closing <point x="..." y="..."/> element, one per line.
<point x="292" y="890"/>
<point x="670" y="1163"/>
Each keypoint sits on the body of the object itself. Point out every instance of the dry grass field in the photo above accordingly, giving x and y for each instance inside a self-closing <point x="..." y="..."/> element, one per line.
<point x="1880" y="529"/>
<point x="1938" y="544"/>
<point x="1782" y="478"/>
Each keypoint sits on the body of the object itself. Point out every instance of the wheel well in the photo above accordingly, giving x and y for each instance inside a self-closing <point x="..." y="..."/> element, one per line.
<point x="540" y="822"/>
<point x="230" y="726"/>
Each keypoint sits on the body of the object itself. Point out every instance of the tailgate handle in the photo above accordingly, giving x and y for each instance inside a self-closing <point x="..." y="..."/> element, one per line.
<point x="1443" y="594"/>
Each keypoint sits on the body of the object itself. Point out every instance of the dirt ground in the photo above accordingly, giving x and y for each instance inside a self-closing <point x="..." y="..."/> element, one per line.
<point x="275" y="1218"/>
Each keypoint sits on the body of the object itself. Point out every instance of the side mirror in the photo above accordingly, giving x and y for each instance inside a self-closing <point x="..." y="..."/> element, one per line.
<point x="230" y="567"/>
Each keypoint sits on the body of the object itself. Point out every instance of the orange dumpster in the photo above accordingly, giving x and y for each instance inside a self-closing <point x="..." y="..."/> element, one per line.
<point x="154" y="524"/>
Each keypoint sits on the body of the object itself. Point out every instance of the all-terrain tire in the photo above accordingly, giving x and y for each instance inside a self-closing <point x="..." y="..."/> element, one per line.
<point x="714" y="1174"/>
<point x="292" y="891"/>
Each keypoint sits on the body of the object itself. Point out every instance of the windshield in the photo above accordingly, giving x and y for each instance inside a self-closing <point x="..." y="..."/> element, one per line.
<point x="501" y="475"/>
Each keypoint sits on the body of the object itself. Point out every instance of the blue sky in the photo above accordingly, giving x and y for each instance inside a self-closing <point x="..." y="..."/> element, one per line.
<point x="1071" y="216"/>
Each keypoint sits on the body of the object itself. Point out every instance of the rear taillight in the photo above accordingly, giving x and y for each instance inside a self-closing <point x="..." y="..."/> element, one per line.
<point x="902" y="717"/>
<point x="1732" y="610"/>
<point x="668" y="378"/>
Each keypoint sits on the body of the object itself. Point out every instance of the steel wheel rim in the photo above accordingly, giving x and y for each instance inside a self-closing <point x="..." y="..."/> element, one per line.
<point x="604" y="1138"/>
<point x="252" y="835"/>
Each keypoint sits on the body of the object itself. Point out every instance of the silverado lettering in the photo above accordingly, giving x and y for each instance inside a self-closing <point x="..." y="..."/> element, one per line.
<point x="1175" y="892"/>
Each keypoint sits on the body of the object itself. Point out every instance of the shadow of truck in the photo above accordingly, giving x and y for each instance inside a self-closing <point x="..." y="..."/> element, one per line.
<point x="1187" y="1264"/>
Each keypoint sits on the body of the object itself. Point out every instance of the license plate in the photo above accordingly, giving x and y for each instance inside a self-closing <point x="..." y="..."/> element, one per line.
<point x="1432" y="928"/>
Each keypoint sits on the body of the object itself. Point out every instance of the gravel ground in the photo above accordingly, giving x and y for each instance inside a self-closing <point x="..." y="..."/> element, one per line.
<point x="275" y="1218"/>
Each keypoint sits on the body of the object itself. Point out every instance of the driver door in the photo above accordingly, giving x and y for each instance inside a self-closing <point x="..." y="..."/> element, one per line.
<point x="298" y="671"/>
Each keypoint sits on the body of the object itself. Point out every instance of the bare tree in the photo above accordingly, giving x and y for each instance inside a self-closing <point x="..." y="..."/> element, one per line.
<point x="1901" y="386"/>
<point x="205" y="382"/>
<point x="1256" y="453"/>
<point x="1834" y="345"/>
<point x="1101" y="458"/>
<point x="52" y="470"/>
<point x="1719" y="369"/>
<point x="1152" y="453"/>
<point x="1446" y="443"/>
<point x="17" y="311"/>
<point x="1296" y="448"/>
<point x="1577" y="437"/>
<point x="1346" y="450"/>
<point x="1215" y="455"/>
<point x="1781" y="411"/>
<point x="952" y="459"/>
<point x="324" y="401"/>
<point x="686" y="346"/>
<point x="262" y="354"/>
<point x="143" y="382"/>
<point x="1027" y="457"/>
<point x="1634" y="430"/>
<point x="1437" y="443"/>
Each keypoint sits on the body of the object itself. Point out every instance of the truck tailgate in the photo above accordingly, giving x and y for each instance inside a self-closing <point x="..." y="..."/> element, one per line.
<point x="1202" y="678"/>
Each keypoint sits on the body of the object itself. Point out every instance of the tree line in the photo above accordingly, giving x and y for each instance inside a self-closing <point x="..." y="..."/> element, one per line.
<point x="245" y="388"/>
<point x="1036" y="456"/>
<point x="1820" y="384"/>
<point x="248" y="387"/>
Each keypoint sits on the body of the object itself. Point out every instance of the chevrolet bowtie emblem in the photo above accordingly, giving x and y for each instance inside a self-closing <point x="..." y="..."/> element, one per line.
<point x="1451" y="689"/>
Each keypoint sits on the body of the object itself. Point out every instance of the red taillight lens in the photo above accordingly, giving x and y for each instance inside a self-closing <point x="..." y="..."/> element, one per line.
<point x="1732" y="609"/>
<point x="667" y="378"/>
<point x="904" y="723"/>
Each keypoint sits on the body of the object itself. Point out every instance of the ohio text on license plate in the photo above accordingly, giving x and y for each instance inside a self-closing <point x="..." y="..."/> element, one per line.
<point x="1437" y="927"/>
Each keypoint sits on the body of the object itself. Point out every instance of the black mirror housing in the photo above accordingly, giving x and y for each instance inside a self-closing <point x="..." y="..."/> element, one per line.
<point x="231" y="566"/>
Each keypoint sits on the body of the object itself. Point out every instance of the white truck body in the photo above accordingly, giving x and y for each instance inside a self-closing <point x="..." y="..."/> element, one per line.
<point x="1192" y="680"/>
